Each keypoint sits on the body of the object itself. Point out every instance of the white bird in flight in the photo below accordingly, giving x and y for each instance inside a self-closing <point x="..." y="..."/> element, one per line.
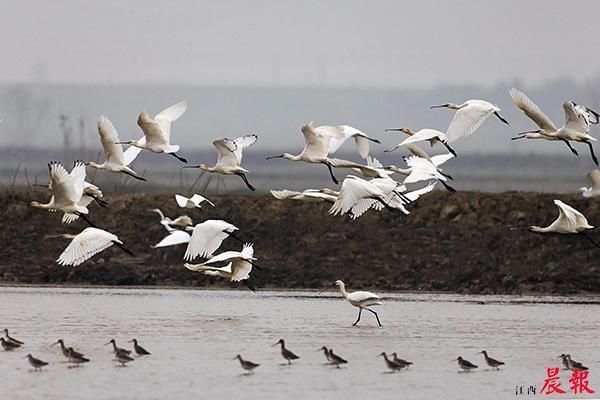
<point x="469" y="116"/>
<point x="87" y="244"/>
<point x="116" y="160"/>
<point x="569" y="221"/>
<point x="67" y="192"/>
<point x="578" y="121"/>
<point x="238" y="268"/>
<point x="174" y="238"/>
<point x="322" y="140"/>
<point x="373" y="169"/>
<point x="182" y="221"/>
<point x="157" y="131"/>
<point x="422" y="169"/>
<point x="191" y="202"/>
<point x="230" y="157"/>
<point x="207" y="237"/>
<point x="361" y="299"/>
<point x="431" y="135"/>
<point x="593" y="178"/>
<point x="315" y="195"/>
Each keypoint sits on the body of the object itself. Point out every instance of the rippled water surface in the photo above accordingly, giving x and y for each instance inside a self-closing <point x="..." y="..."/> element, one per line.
<point x="195" y="334"/>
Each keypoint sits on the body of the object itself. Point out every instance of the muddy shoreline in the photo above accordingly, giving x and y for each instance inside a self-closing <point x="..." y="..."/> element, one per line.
<point x="449" y="243"/>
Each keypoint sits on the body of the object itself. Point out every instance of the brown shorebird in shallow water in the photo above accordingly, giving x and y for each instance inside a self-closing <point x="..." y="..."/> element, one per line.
<point x="140" y="351"/>
<point x="8" y="346"/>
<point x="36" y="363"/>
<point x="335" y="359"/>
<point x="75" y="357"/>
<point x="247" y="365"/>
<point x="571" y="364"/>
<point x="491" y="361"/>
<point x="12" y="339"/>
<point x="400" y="361"/>
<point x="325" y="351"/>
<point x="464" y="364"/>
<point x="123" y="357"/>
<point x="64" y="348"/>
<point x="117" y="349"/>
<point x="285" y="353"/>
<point x="390" y="363"/>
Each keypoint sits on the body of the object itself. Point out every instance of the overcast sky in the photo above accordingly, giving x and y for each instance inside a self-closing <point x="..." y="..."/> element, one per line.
<point x="291" y="42"/>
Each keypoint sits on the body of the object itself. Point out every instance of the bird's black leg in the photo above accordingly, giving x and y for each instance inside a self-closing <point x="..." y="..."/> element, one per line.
<point x="333" y="178"/>
<point x="588" y="237"/>
<point x="592" y="152"/>
<point x="357" y="319"/>
<point x="446" y="175"/>
<point x="231" y="234"/>
<point x="243" y="176"/>
<point x="100" y="202"/>
<point x="386" y="205"/>
<point x="570" y="147"/>
<point x="183" y="160"/>
<point x="500" y="118"/>
<point x="86" y="219"/>
<point x="123" y="248"/>
<point x="376" y="316"/>
<point x="448" y="187"/>
<point x="450" y="149"/>
<point x="135" y="176"/>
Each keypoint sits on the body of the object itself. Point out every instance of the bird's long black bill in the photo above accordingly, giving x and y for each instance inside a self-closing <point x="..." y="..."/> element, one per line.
<point x="450" y="149"/>
<point x="393" y="129"/>
<point x="588" y="237"/>
<point x="501" y="118"/>
<point x="448" y="187"/>
<point x="183" y="160"/>
<point x="272" y="157"/>
<point x="135" y="176"/>
<point x="243" y="176"/>
<point x="327" y="288"/>
<point x="125" y="249"/>
<point x="100" y="202"/>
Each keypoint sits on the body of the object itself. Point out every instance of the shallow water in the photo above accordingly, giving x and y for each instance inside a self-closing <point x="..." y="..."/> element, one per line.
<point x="195" y="334"/>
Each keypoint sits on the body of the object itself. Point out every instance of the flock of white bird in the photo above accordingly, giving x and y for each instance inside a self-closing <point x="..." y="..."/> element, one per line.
<point x="375" y="188"/>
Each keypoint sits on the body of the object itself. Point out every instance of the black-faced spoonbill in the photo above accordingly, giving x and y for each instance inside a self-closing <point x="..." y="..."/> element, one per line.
<point x="569" y="221"/>
<point x="360" y="299"/>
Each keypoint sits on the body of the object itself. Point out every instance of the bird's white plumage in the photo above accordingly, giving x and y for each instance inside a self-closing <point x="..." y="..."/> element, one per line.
<point x="422" y="170"/>
<point x="230" y="151"/>
<point x="339" y="134"/>
<point x="207" y="237"/>
<point x="593" y="178"/>
<point x="239" y="266"/>
<point x="569" y="221"/>
<point x="85" y="245"/>
<point x="531" y="110"/>
<point x="469" y="118"/>
<point x="174" y="238"/>
<point x="191" y="202"/>
<point x="353" y="190"/>
<point x="157" y="130"/>
<point x="306" y="195"/>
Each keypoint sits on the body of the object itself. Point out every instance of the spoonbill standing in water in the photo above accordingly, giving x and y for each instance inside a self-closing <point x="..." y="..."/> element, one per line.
<point x="593" y="178"/>
<point x="578" y="121"/>
<point x="230" y="157"/>
<point x="569" y="221"/>
<point x="360" y="299"/>
<point x="431" y="135"/>
<point x="469" y="116"/>
<point x="116" y="160"/>
<point x="157" y="131"/>
<point x="192" y="202"/>
<point x="87" y="244"/>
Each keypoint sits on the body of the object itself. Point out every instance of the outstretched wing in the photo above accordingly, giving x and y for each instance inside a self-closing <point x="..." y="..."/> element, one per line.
<point x="109" y="138"/>
<point x="84" y="246"/>
<point x="531" y="110"/>
<point x="226" y="149"/>
<point x="168" y="115"/>
<point x="62" y="183"/>
<point x="469" y="118"/>
<point x="174" y="238"/>
<point x="207" y="237"/>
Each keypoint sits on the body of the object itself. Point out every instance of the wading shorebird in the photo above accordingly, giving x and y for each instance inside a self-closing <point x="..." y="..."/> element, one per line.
<point x="431" y="135"/>
<point x="157" y="131"/>
<point x="8" y="346"/>
<point x="360" y="299"/>
<point x="11" y="339"/>
<point x="230" y="158"/>
<point x="285" y="353"/>
<point x="116" y="160"/>
<point x="400" y="361"/>
<point x="117" y="349"/>
<point x="391" y="364"/>
<point x="66" y="351"/>
<point x="569" y="221"/>
<point x="76" y="358"/>
<point x="578" y="122"/>
<point x="490" y="361"/>
<point x="464" y="364"/>
<point x="247" y="365"/>
<point x="36" y="363"/>
<point x="469" y="116"/>
<point x="191" y="202"/>
<point x="122" y="358"/>
<point x="139" y="350"/>
<point x="571" y="364"/>
<point x="593" y="178"/>
<point x="335" y="359"/>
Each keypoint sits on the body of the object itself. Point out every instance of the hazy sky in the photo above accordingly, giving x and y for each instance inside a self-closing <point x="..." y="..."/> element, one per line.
<point x="291" y="42"/>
